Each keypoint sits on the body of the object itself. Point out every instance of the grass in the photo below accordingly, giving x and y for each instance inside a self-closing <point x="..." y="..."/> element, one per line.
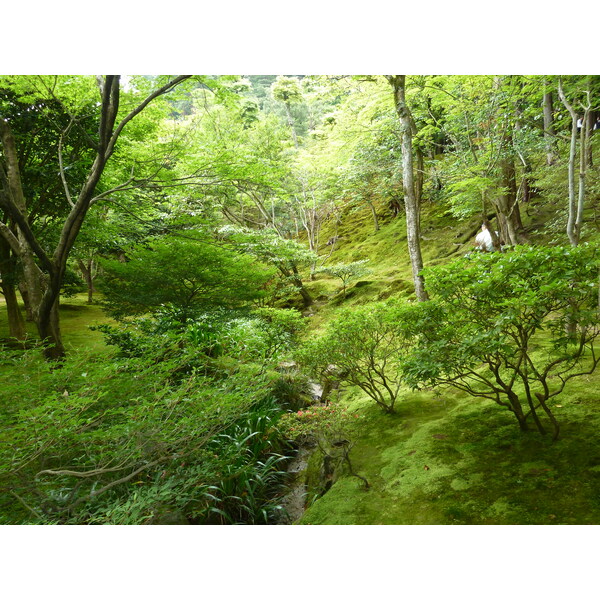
<point x="75" y="318"/>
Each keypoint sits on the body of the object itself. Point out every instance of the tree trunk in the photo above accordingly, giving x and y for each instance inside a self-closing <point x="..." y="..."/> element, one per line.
<point x="575" y="204"/>
<point x="25" y="296"/>
<point x="507" y="204"/>
<point x="411" y="201"/>
<point x="49" y="330"/>
<point x="16" y="323"/>
<point x="306" y="297"/>
<point x="550" y="140"/>
<point x="374" y="214"/>
<point x="87" y="270"/>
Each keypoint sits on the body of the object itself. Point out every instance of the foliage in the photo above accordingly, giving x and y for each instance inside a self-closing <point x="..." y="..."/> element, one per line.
<point x="365" y="347"/>
<point x="182" y="276"/>
<point x="263" y="336"/>
<point x="320" y="422"/>
<point x="136" y="440"/>
<point x="346" y="271"/>
<point x="514" y="328"/>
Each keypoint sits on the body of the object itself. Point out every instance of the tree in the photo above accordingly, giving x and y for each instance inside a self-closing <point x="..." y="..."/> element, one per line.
<point x="411" y="199"/>
<point x="495" y="328"/>
<point x="576" y="204"/>
<point x="287" y="90"/>
<point x="346" y="271"/>
<point x="43" y="271"/>
<point x="287" y="256"/>
<point x="8" y="286"/>
<point x="182" y="276"/>
<point x="365" y="347"/>
<point x="482" y="119"/>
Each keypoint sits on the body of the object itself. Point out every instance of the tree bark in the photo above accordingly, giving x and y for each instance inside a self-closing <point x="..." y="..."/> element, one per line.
<point x="87" y="270"/>
<point x="16" y="323"/>
<point x="374" y="214"/>
<point x="411" y="199"/>
<point x="575" y="204"/>
<point x="550" y="140"/>
<point x="507" y="204"/>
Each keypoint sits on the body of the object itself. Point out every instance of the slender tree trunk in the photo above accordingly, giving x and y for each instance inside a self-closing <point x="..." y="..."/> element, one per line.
<point x="575" y="204"/>
<point x="87" y="270"/>
<point x="374" y="214"/>
<point x="411" y="200"/>
<point x="589" y="126"/>
<point x="550" y="140"/>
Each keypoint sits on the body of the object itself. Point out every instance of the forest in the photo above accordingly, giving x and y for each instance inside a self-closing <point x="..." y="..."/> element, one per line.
<point x="299" y="299"/>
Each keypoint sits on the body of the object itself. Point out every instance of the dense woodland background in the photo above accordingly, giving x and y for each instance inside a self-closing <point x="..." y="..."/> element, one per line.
<point x="256" y="299"/>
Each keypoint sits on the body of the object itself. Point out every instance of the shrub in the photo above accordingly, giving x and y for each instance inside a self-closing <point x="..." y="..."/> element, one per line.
<point x="365" y="347"/>
<point x="512" y="328"/>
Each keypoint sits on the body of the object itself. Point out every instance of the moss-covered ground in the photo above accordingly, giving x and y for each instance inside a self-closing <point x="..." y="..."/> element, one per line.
<point x="446" y="458"/>
<point x="76" y="317"/>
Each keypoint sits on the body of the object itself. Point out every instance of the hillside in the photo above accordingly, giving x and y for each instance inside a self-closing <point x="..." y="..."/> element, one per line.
<point x="445" y="457"/>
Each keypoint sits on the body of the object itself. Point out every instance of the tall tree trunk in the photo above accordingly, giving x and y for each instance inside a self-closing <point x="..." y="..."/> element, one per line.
<point x="576" y="204"/>
<point x="507" y="204"/>
<point x="550" y="140"/>
<point x="411" y="200"/>
<point x="589" y="125"/>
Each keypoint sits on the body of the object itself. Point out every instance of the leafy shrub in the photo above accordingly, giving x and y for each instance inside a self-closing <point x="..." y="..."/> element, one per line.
<point x="513" y="328"/>
<point x="365" y="347"/>
<point x="346" y="271"/>
<point x="133" y="441"/>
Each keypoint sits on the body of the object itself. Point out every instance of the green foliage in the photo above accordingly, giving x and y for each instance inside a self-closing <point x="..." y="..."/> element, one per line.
<point x="513" y="328"/>
<point x="322" y="423"/>
<point x="346" y="271"/>
<point x="286" y="89"/>
<point x="263" y="336"/>
<point x="182" y="276"/>
<point x="133" y="441"/>
<point x="365" y="347"/>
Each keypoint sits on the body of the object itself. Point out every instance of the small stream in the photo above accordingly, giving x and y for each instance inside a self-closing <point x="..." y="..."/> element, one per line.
<point x="294" y="502"/>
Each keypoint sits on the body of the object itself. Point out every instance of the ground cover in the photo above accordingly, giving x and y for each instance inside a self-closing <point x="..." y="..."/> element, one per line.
<point x="449" y="459"/>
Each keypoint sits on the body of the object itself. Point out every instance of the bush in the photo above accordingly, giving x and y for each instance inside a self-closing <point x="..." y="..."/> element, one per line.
<point x="105" y="440"/>
<point x="365" y="347"/>
<point x="513" y="328"/>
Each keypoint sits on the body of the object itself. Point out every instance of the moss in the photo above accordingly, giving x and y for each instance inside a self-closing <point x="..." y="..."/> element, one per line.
<point x="465" y="461"/>
<point x="76" y="317"/>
